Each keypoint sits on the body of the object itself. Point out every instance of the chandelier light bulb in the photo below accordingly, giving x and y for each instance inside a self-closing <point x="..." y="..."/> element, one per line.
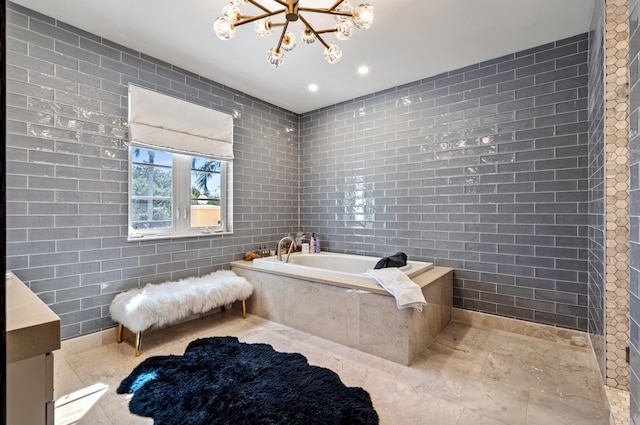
<point x="346" y="7"/>
<point x="363" y="16"/>
<point x="262" y="27"/>
<point x="231" y="12"/>
<point x="344" y="30"/>
<point x="288" y="42"/>
<point x="275" y="57"/>
<point x="333" y="54"/>
<point x="238" y="3"/>
<point x="224" y="28"/>
<point x="308" y="36"/>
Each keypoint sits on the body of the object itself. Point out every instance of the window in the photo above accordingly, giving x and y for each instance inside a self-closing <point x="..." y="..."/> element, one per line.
<point x="180" y="167"/>
<point x="175" y="195"/>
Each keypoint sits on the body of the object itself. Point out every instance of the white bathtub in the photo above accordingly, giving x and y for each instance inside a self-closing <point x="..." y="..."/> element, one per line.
<point x="344" y="270"/>
<point x="331" y="296"/>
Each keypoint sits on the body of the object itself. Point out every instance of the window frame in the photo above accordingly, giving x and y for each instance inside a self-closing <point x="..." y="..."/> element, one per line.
<point x="181" y="198"/>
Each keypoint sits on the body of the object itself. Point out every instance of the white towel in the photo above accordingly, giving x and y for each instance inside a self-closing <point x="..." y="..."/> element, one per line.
<point x="398" y="284"/>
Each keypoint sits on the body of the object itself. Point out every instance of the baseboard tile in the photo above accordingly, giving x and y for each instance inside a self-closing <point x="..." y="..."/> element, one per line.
<point x="536" y="330"/>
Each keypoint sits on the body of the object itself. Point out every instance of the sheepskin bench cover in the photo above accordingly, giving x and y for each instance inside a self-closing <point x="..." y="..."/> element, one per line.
<point x="162" y="304"/>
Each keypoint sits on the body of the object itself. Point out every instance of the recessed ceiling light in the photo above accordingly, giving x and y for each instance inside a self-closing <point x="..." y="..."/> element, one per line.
<point x="313" y="87"/>
<point x="363" y="70"/>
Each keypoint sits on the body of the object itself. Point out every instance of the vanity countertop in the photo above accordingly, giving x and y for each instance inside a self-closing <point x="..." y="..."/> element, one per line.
<point x="32" y="328"/>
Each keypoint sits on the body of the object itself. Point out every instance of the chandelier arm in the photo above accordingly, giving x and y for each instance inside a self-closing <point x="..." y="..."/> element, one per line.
<point x="336" y="4"/>
<point x="326" y="31"/>
<point x="248" y="19"/>
<point x="326" y="11"/>
<point x="283" y="3"/>
<point x="284" y="30"/>
<point x="259" y="6"/>
<point x="324" y="43"/>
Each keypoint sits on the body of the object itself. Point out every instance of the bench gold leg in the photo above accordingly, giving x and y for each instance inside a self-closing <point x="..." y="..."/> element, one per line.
<point x="138" y="343"/>
<point x="119" y="336"/>
<point x="244" y="309"/>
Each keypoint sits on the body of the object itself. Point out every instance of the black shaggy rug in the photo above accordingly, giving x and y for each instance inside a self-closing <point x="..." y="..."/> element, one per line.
<point x="224" y="381"/>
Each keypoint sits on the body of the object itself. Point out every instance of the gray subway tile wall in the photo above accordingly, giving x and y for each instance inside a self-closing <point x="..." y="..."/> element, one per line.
<point x="634" y="213"/>
<point x="67" y="170"/>
<point x="484" y="169"/>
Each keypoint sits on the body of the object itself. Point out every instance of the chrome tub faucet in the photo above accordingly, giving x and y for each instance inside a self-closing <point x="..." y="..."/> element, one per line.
<point x="292" y="247"/>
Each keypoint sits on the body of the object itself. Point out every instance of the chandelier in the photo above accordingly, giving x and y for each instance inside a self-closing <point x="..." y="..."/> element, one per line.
<point x="345" y="15"/>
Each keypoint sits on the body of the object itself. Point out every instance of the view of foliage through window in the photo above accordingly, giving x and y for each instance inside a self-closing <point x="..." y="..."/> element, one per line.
<point x="205" y="181"/>
<point x="151" y="180"/>
<point x="152" y="191"/>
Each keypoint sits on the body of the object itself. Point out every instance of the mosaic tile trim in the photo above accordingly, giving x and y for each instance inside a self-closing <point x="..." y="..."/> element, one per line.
<point x="617" y="191"/>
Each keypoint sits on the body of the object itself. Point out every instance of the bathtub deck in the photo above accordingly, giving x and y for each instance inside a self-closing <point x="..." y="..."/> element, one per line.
<point x="357" y="318"/>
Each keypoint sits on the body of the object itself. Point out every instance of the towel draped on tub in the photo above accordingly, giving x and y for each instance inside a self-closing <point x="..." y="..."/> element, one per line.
<point x="406" y="292"/>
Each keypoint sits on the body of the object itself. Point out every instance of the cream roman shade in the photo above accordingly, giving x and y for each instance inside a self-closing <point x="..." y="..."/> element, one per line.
<point x="168" y="123"/>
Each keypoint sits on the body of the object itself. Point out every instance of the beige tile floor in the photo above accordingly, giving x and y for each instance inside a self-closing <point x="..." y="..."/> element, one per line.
<point x="468" y="376"/>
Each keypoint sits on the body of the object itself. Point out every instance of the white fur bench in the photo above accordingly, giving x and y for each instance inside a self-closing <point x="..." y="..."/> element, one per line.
<point x="162" y="304"/>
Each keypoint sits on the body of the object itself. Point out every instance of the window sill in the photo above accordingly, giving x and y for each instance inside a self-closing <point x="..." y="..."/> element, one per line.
<point x="152" y="237"/>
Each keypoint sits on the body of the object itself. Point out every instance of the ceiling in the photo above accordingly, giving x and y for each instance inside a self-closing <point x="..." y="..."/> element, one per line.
<point x="409" y="40"/>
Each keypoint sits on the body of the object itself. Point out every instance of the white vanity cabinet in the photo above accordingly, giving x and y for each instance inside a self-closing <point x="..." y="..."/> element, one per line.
<point x="33" y="333"/>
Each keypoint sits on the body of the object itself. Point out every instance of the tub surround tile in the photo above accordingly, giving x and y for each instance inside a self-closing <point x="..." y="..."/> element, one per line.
<point x="440" y="298"/>
<point x="367" y="321"/>
<point x="384" y="330"/>
<point x="268" y="306"/>
<point x="325" y="313"/>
